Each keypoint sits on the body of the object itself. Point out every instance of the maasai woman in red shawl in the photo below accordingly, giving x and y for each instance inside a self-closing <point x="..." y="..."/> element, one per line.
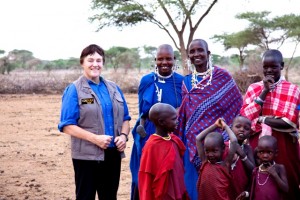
<point x="209" y="93"/>
<point x="215" y="181"/>
<point x="161" y="171"/>
<point x="271" y="105"/>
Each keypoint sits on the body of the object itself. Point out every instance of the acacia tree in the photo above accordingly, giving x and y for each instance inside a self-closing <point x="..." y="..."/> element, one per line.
<point x="290" y="24"/>
<point x="112" y="56"/>
<point x="180" y="16"/>
<point x="262" y="27"/>
<point x="240" y="41"/>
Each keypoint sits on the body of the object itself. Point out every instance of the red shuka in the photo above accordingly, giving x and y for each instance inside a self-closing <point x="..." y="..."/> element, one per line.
<point x="214" y="182"/>
<point x="161" y="173"/>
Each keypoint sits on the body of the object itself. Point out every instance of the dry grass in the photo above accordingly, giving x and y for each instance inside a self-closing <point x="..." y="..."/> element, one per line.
<point x="54" y="82"/>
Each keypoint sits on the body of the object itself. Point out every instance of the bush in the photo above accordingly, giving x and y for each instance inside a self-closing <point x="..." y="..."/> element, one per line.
<point x="243" y="79"/>
<point x="55" y="81"/>
<point x="39" y="82"/>
<point x="251" y="73"/>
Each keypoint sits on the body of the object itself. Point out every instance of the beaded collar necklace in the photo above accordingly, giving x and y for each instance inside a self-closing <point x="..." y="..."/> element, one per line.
<point x="161" y="79"/>
<point x="273" y="86"/>
<point x="165" y="138"/>
<point x="209" y="72"/>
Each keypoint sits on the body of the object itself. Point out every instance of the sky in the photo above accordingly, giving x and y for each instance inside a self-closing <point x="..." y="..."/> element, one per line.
<point x="54" y="29"/>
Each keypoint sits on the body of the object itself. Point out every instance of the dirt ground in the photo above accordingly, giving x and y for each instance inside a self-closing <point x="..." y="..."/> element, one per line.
<point x="35" y="161"/>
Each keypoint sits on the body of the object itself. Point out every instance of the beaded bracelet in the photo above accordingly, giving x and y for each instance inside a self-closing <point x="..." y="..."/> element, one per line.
<point x="258" y="102"/>
<point x="261" y="119"/>
<point x="244" y="159"/>
<point x="246" y="194"/>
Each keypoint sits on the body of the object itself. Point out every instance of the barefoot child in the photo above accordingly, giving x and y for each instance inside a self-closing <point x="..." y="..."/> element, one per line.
<point x="243" y="162"/>
<point x="161" y="173"/>
<point x="214" y="178"/>
<point x="269" y="180"/>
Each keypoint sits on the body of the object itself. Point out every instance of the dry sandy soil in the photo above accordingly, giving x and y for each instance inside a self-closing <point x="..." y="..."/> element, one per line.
<point x="35" y="161"/>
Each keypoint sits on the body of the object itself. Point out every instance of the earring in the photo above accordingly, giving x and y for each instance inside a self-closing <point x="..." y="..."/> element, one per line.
<point x="156" y="70"/>
<point x="175" y="66"/>
<point x="190" y="66"/>
<point x="210" y="63"/>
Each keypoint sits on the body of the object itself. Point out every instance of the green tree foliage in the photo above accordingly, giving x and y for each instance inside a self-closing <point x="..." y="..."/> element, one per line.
<point x="129" y="59"/>
<point x="112" y="57"/>
<point x="240" y="41"/>
<point x="290" y="25"/>
<point x="15" y="59"/>
<point x="262" y="27"/>
<point x="178" y="16"/>
<point x="20" y="57"/>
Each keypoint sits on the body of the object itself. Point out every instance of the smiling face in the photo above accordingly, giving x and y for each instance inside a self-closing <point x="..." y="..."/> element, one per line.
<point x="198" y="54"/>
<point x="272" y="64"/>
<point x="241" y="127"/>
<point x="165" y="60"/>
<point x="92" y="66"/>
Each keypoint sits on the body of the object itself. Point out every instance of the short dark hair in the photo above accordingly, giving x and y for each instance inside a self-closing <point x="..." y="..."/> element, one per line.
<point x="273" y="53"/>
<point x="201" y="41"/>
<point x="91" y="49"/>
<point x="243" y="117"/>
<point x="271" y="139"/>
<point x="217" y="137"/>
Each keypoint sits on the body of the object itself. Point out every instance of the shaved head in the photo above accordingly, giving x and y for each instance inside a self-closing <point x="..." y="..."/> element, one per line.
<point x="160" y="111"/>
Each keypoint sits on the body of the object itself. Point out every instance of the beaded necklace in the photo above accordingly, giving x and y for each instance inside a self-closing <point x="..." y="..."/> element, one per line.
<point x="209" y="72"/>
<point x="165" y="138"/>
<point x="263" y="170"/>
<point x="273" y="86"/>
<point x="161" y="79"/>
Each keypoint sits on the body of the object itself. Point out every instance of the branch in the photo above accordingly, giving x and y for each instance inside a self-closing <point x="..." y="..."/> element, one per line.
<point x="168" y="15"/>
<point x="193" y="29"/>
<point x="296" y="46"/>
<point x="161" y="26"/>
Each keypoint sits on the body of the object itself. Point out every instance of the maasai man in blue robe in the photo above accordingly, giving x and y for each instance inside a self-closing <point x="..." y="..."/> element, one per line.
<point x="162" y="86"/>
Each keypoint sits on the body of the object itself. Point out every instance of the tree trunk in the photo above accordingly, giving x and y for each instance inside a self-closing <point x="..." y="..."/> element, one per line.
<point x="286" y="75"/>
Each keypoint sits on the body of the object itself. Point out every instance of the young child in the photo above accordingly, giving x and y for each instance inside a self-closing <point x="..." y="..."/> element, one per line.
<point x="161" y="173"/>
<point x="243" y="162"/>
<point x="214" y="178"/>
<point x="269" y="180"/>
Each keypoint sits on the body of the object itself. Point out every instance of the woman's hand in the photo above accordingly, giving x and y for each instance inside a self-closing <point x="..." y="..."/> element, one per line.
<point x="102" y="141"/>
<point x="120" y="142"/>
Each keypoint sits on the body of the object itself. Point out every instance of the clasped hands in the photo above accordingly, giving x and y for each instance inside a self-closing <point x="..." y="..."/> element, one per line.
<point x="220" y="123"/>
<point x="103" y="141"/>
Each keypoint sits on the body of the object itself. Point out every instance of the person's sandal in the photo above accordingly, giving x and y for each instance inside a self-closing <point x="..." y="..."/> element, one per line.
<point x="141" y="131"/>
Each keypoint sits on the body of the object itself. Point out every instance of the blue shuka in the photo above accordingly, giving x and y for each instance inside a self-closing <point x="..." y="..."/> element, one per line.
<point x="147" y="94"/>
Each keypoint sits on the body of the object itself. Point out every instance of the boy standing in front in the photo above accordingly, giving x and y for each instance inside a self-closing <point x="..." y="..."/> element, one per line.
<point x="161" y="173"/>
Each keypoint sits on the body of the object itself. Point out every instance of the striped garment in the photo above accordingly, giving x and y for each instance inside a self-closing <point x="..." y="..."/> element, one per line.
<point x="200" y="108"/>
<point x="281" y="102"/>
